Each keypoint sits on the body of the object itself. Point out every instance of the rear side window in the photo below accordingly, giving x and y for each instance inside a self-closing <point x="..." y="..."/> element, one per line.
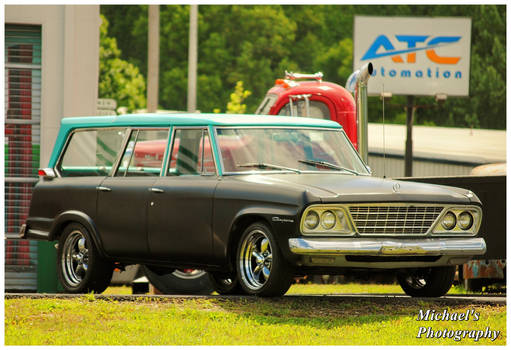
<point x="144" y="154"/>
<point x="91" y="152"/>
<point x="191" y="153"/>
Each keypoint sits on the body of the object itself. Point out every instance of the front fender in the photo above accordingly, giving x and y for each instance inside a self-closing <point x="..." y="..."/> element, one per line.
<point x="282" y="220"/>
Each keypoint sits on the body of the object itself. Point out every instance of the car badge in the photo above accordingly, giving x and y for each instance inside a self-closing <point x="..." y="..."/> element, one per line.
<point x="396" y="187"/>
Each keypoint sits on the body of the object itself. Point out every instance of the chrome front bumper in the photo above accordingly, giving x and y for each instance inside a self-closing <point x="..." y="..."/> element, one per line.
<point x="388" y="247"/>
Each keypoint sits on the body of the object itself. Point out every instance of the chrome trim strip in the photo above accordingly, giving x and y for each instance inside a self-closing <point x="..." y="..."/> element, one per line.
<point x="387" y="247"/>
<point x="21" y="179"/>
<point x="23" y="231"/>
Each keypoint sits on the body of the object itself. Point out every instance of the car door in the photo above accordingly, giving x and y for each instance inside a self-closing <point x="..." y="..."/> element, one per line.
<point x="123" y="198"/>
<point x="181" y="202"/>
<point x="86" y="160"/>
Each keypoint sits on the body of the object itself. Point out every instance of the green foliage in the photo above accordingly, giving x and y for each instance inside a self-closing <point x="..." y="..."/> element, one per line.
<point x="337" y="61"/>
<point x="257" y="43"/>
<point x="236" y="105"/>
<point x="118" y="79"/>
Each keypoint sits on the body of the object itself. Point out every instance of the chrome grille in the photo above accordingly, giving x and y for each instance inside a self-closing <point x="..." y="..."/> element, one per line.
<point x="394" y="220"/>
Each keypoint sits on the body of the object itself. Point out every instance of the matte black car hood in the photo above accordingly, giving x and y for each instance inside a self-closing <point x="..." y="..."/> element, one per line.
<point x="349" y="188"/>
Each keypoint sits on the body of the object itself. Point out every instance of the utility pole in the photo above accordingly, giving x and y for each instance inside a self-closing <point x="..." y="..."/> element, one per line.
<point x="153" y="58"/>
<point x="410" y="109"/>
<point x="192" y="60"/>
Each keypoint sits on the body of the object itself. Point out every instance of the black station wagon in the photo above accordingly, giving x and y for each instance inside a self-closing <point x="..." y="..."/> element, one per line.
<point x="252" y="200"/>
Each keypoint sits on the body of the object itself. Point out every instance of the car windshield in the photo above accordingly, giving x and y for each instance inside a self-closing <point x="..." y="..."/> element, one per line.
<point x="287" y="150"/>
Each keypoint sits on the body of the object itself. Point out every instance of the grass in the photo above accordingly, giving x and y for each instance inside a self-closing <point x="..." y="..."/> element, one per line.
<point x="324" y="289"/>
<point x="241" y="321"/>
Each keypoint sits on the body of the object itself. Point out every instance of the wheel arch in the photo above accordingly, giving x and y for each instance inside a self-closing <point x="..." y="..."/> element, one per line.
<point x="243" y="220"/>
<point x="70" y="216"/>
<point x="268" y="214"/>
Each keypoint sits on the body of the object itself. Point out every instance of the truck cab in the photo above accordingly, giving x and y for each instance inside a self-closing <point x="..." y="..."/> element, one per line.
<point x="307" y="95"/>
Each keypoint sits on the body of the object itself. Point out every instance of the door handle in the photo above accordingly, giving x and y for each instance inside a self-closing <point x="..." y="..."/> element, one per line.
<point x="156" y="190"/>
<point x="104" y="189"/>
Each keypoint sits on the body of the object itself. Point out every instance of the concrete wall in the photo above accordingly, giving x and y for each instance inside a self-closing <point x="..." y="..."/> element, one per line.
<point x="70" y="62"/>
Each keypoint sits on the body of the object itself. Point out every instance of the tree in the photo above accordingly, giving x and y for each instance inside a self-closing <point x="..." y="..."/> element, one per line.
<point x="256" y="44"/>
<point x="236" y="105"/>
<point x="118" y="79"/>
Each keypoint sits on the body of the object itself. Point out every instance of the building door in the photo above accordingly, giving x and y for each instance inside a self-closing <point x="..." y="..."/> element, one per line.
<point x="22" y="140"/>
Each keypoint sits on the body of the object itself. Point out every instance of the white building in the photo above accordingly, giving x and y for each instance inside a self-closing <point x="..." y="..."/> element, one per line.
<point x="51" y="72"/>
<point x="437" y="151"/>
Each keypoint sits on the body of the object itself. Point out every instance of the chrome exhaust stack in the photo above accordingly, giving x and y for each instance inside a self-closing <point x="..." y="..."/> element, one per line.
<point x="357" y="83"/>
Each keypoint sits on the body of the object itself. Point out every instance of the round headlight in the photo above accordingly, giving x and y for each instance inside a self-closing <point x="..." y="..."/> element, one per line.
<point x="449" y="221"/>
<point x="328" y="220"/>
<point x="465" y="220"/>
<point x="311" y="220"/>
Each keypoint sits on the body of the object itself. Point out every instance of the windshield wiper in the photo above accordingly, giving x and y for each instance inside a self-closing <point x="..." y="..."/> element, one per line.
<point x="267" y="166"/>
<point x="327" y="165"/>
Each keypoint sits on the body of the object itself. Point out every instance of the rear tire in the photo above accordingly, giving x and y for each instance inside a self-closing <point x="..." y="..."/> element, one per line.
<point x="80" y="267"/>
<point x="225" y="284"/>
<point x="179" y="281"/>
<point x="261" y="267"/>
<point x="427" y="282"/>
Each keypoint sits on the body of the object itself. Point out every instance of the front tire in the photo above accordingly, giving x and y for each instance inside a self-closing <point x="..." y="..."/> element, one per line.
<point x="427" y="282"/>
<point x="260" y="266"/>
<point x="80" y="267"/>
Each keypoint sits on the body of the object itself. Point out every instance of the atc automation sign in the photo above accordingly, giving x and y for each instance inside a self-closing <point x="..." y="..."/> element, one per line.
<point x="414" y="56"/>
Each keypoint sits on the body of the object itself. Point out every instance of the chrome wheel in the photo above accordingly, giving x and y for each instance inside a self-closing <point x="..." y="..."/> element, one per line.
<point x="427" y="282"/>
<point x="225" y="283"/>
<point x="255" y="259"/>
<point x="179" y="281"/>
<point x="80" y="267"/>
<point x="75" y="258"/>
<point x="416" y="281"/>
<point x="189" y="273"/>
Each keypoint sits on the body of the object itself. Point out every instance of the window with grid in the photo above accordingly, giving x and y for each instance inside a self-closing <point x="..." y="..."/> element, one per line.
<point x="22" y="140"/>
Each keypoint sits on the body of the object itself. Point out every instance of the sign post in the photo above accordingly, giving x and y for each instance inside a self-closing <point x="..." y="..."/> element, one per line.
<point x="410" y="109"/>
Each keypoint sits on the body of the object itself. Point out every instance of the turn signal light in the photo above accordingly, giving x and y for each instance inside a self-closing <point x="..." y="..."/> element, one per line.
<point x="46" y="173"/>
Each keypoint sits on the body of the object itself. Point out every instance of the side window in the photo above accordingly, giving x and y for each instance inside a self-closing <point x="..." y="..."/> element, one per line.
<point x="91" y="152"/>
<point x="144" y="153"/>
<point x="267" y="104"/>
<point x="317" y="109"/>
<point x="191" y="153"/>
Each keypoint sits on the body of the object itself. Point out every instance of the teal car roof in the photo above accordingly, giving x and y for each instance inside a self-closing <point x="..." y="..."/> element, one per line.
<point x="185" y="119"/>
